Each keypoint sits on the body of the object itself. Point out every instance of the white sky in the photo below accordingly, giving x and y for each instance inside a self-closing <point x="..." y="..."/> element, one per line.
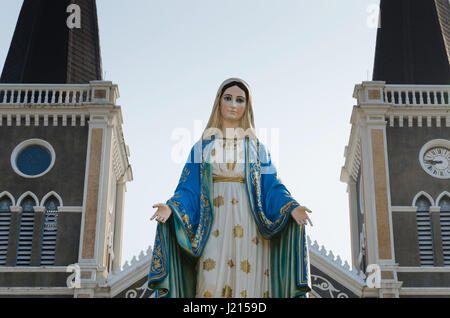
<point x="301" y="59"/>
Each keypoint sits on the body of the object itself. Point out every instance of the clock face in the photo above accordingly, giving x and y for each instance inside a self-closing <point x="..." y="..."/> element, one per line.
<point x="436" y="162"/>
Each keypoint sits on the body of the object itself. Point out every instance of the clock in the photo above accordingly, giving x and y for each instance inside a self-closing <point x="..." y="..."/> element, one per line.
<point x="434" y="158"/>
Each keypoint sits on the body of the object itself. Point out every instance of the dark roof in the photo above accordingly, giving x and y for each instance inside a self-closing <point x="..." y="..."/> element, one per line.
<point x="45" y="50"/>
<point x="443" y="7"/>
<point x="411" y="43"/>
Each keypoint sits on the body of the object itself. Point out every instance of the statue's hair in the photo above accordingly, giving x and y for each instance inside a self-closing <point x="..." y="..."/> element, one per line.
<point x="247" y="123"/>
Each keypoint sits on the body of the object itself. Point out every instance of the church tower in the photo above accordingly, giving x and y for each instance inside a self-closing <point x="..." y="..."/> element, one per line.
<point x="397" y="161"/>
<point x="64" y="162"/>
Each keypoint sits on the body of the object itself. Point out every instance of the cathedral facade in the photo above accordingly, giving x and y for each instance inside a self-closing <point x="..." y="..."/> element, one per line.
<point x="65" y="164"/>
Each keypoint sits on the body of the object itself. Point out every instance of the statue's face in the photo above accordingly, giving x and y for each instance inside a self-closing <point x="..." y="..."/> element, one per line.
<point x="232" y="104"/>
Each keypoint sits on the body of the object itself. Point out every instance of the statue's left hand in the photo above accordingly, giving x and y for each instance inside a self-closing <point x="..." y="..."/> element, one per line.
<point x="163" y="213"/>
<point x="300" y="216"/>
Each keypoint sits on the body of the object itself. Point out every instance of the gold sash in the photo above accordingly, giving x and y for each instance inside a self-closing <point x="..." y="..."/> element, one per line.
<point x="217" y="178"/>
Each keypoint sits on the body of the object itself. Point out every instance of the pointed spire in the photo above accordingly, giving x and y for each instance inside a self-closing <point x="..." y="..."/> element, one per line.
<point x="443" y="8"/>
<point x="45" y="50"/>
<point x="411" y="43"/>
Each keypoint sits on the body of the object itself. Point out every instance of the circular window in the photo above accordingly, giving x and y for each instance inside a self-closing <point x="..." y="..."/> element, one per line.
<point x="33" y="158"/>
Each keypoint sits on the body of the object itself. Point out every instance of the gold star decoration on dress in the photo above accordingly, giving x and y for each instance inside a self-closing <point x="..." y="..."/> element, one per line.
<point x="209" y="264"/>
<point x="234" y="201"/>
<point x="207" y="294"/>
<point x="238" y="231"/>
<point x="244" y="294"/>
<point x="231" y="165"/>
<point x="215" y="233"/>
<point x="255" y="240"/>
<point x="266" y="294"/>
<point x="227" y="291"/>
<point x="245" y="266"/>
<point x="229" y="144"/>
<point x="219" y="201"/>
<point x="230" y="263"/>
<point x="266" y="272"/>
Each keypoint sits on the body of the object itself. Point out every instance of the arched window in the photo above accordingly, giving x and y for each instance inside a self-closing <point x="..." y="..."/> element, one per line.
<point x="26" y="232"/>
<point x="444" y="204"/>
<point x="49" y="231"/>
<point x="424" y="232"/>
<point x="5" y="222"/>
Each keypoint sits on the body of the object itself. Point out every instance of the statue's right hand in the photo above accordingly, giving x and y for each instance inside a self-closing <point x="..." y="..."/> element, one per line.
<point x="162" y="214"/>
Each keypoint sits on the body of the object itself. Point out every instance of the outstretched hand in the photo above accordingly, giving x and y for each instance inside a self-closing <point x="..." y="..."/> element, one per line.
<point x="300" y="216"/>
<point x="162" y="214"/>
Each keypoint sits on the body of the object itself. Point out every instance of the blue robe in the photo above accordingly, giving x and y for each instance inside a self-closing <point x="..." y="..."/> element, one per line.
<point x="180" y="241"/>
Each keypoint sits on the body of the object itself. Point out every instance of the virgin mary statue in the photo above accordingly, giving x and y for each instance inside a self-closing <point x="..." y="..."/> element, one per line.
<point x="231" y="234"/>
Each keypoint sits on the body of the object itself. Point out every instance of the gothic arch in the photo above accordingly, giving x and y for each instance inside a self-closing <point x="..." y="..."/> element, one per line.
<point x="423" y="203"/>
<point x="28" y="193"/>
<point x="418" y="195"/>
<point x="9" y="195"/>
<point x="49" y="195"/>
<point x="439" y="198"/>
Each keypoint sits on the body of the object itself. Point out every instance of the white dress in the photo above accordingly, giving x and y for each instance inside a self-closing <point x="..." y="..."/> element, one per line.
<point x="236" y="260"/>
